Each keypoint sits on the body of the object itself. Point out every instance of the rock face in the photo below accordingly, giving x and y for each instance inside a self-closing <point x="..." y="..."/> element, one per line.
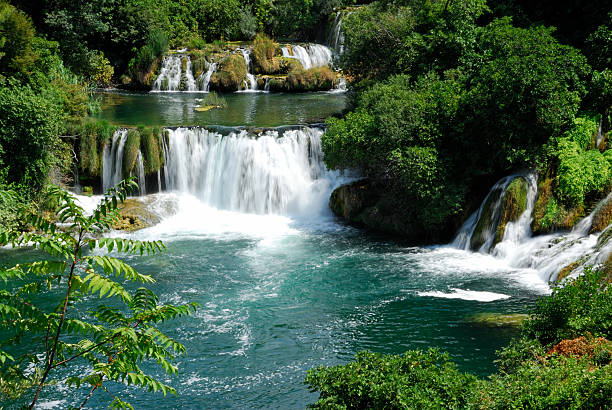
<point x="136" y="214"/>
<point x="515" y="203"/>
<point x="362" y="204"/>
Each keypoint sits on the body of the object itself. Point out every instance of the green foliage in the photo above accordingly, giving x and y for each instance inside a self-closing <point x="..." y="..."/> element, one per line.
<point x="93" y="137"/>
<point x="557" y="383"/>
<point x="16" y="36"/>
<point x="526" y="88"/>
<point x="580" y="173"/>
<point x="313" y="79"/>
<point x="215" y="100"/>
<point x="584" y="305"/>
<point x="29" y="125"/>
<point x="230" y="73"/>
<point x="264" y="49"/>
<point x="113" y="341"/>
<point x="598" y="47"/>
<point x="155" y="47"/>
<point x="414" y="380"/>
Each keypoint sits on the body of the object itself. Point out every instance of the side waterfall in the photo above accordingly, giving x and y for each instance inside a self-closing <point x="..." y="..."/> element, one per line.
<point x="336" y="35"/>
<point x="518" y="248"/>
<point x="169" y="78"/>
<point x="313" y="55"/>
<point x="250" y="84"/>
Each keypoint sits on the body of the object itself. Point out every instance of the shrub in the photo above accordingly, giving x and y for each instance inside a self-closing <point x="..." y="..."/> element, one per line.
<point x="264" y="50"/>
<point x="230" y="73"/>
<point x="415" y="379"/>
<point x="584" y="305"/>
<point x="29" y="125"/>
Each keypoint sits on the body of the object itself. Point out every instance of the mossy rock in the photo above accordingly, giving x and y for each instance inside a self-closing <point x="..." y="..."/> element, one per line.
<point x="604" y="238"/>
<point x="487" y="219"/>
<point x="550" y="214"/>
<point x="130" y="151"/>
<point x="488" y="319"/>
<point x="602" y="217"/>
<point x="513" y="206"/>
<point x="230" y="74"/>
<point x="315" y="79"/>
<point x="134" y="215"/>
<point x="567" y="270"/>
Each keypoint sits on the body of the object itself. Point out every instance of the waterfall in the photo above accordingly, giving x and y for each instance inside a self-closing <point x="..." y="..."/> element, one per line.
<point x="600" y="136"/>
<point x="267" y="85"/>
<point x="313" y="55"/>
<point x="463" y="239"/>
<point x="159" y="185"/>
<point x="271" y="173"/>
<point x="191" y="83"/>
<point x="112" y="160"/>
<point x="204" y="78"/>
<point x="545" y="254"/>
<point x="336" y="35"/>
<point x="250" y="83"/>
<point x="169" y="78"/>
<point x="141" y="175"/>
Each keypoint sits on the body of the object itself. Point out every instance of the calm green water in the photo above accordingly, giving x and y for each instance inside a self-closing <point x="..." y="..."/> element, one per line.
<point x="244" y="109"/>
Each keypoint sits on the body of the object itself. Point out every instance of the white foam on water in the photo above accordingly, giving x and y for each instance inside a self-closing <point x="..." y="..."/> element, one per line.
<point x="465" y="294"/>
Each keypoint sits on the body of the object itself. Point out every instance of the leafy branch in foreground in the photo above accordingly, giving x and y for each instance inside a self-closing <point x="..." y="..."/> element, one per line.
<point x="39" y="337"/>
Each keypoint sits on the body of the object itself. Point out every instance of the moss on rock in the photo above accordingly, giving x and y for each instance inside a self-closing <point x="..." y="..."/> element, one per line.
<point x="602" y="217"/>
<point x="230" y="74"/>
<point x="315" y="79"/>
<point x="130" y="151"/>
<point x="513" y="206"/>
<point x="487" y="219"/>
<point x="489" y="319"/>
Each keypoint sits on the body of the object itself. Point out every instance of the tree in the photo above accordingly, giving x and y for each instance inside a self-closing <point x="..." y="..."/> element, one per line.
<point x="113" y="340"/>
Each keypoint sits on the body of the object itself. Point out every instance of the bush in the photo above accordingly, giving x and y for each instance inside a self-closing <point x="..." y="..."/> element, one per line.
<point x="556" y="383"/>
<point x="29" y="125"/>
<point x="230" y="73"/>
<point x="414" y="380"/>
<point x="584" y="305"/>
<point x="92" y="139"/>
<point x="264" y="50"/>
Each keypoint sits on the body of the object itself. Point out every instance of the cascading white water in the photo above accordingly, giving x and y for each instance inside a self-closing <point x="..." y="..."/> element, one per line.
<point x="112" y="160"/>
<point x="204" y="78"/>
<point x="169" y="78"/>
<point x="463" y="238"/>
<point x="545" y="254"/>
<point x="313" y="55"/>
<point x="250" y="83"/>
<point x="266" y="174"/>
<point x="600" y="135"/>
<point x="141" y="174"/>
<point x="336" y="35"/>
<point x="191" y="83"/>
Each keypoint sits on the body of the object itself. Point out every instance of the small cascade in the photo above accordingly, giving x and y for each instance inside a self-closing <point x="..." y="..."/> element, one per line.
<point x="600" y="135"/>
<point x="267" y="85"/>
<point x="190" y="83"/>
<point x="313" y="55"/>
<point x="250" y="84"/>
<point x="487" y="214"/>
<point x="204" y="78"/>
<point x="264" y="174"/>
<point x="546" y="254"/>
<point x="336" y="36"/>
<point x="141" y="174"/>
<point x="112" y="160"/>
<point x="159" y="185"/>
<point x="169" y="78"/>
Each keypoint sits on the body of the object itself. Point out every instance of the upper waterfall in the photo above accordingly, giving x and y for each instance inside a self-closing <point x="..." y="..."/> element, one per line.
<point x="312" y="55"/>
